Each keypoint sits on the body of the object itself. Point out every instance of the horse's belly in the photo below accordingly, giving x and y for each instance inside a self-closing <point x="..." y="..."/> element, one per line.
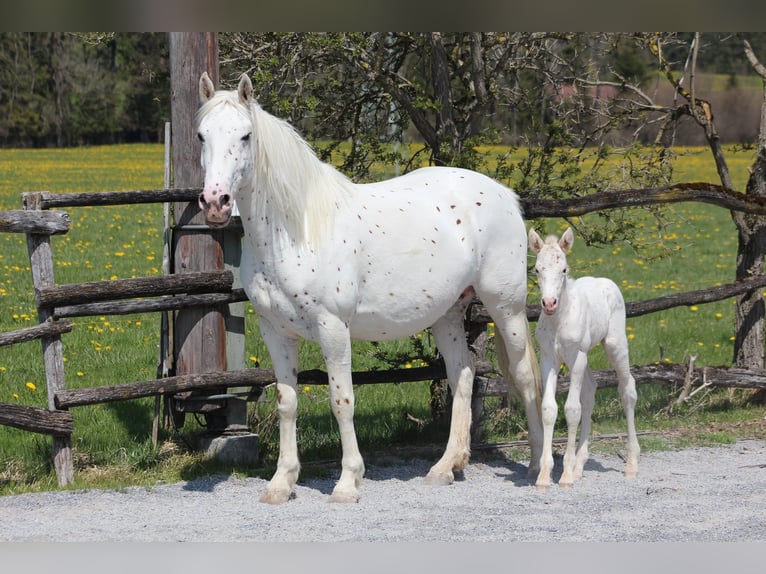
<point x="380" y="326"/>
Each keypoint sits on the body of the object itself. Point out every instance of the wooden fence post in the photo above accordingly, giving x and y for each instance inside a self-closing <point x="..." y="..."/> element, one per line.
<point x="201" y="339"/>
<point x="41" y="263"/>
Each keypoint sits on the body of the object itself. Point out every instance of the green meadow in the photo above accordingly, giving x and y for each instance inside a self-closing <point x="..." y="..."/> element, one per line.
<point x="691" y="247"/>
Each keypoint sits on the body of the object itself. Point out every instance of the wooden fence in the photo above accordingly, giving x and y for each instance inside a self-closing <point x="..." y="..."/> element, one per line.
<point x="57" y="303"/>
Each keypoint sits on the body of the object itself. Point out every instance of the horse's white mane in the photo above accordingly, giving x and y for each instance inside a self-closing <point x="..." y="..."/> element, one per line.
<point x="290" y="182"/>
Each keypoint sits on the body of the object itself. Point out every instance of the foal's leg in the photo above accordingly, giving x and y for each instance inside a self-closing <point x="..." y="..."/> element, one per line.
<point x="449" y="335"/>
<point x="284" y="355"/>
<point x="587" y="401"/>
<point x="334" y="338"/>
<point x="616" y="347"/>
<point x="573" y="413"/>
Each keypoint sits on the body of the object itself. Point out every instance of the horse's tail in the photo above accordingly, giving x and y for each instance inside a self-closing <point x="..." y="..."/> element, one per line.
<point x="531" y="357"/>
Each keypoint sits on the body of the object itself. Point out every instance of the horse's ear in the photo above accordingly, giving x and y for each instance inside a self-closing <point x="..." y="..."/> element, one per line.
<point x="567" y="240"/>
<point x="206" y="88"/>
<point x="245" y="90"/>
<point x="535" y="242"/>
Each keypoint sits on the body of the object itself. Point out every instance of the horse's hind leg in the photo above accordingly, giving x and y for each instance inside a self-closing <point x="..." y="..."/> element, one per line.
<point x="449" y="335"/>
<point x="518" y="364"/>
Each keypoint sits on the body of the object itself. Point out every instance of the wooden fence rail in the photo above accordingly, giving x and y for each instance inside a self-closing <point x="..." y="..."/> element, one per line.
<point x="109" y="290"/>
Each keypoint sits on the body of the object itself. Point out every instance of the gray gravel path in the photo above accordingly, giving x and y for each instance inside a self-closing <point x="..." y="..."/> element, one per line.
<point x="696" y="494"/>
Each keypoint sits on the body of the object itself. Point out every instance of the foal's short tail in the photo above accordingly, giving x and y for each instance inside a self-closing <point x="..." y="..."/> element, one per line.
<point x="531" y="357"/>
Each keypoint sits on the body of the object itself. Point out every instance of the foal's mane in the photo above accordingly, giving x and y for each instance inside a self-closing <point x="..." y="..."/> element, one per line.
<point x="290" y="182"/>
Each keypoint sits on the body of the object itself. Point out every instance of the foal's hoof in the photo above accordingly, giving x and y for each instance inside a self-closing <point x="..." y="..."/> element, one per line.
<point x="566" y="485"/>
<point x="542" y="487"/>
<point x="276" y="496"/>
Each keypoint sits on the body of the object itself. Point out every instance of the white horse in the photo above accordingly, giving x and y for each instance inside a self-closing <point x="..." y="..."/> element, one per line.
<point x="326" y="260"/>
<point x="577" y="315"/>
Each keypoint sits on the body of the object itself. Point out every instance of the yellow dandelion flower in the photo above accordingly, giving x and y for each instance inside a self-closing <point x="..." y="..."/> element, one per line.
<point x="31" y="386"/>
<point x="694" y="308"/>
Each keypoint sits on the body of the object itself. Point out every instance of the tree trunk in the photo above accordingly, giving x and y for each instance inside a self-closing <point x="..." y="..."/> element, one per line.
<point x="749" y="318"/>
<point x="749" y="315"/>
<point x="445" y="123"/>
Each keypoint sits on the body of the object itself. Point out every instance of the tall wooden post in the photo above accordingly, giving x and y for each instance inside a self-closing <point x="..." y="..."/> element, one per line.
<point x="200" y="333"/>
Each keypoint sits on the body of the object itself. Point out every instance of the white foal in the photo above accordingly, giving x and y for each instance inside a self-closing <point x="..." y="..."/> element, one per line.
<point x="576" y="316"/>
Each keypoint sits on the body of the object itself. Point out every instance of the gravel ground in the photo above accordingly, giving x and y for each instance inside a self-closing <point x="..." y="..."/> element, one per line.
<point x="691" y="495"/>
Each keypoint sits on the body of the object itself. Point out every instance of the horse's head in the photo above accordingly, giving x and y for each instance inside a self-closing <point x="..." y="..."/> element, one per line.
<point x="551" y="266"/>
<point x="224" y="128"/>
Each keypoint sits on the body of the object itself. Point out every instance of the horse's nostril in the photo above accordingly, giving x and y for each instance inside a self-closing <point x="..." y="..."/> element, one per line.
<point x="202" y="201"/>
<point x="224" y="199"/>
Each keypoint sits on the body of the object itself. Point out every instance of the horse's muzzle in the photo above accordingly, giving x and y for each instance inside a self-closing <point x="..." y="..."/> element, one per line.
<point x="217" y="211"/>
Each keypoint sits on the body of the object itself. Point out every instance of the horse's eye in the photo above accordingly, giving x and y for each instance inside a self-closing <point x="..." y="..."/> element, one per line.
<point x="246" y="138"/>
<point x="201" y="138"/>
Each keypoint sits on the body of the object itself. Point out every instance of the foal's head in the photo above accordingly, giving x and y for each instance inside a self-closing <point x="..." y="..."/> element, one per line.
<point x="551" y="266"/>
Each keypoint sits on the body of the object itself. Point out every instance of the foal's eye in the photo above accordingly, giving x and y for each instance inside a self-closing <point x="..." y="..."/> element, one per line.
<point x="200" y="138"/>
<point x="246" y="138"/>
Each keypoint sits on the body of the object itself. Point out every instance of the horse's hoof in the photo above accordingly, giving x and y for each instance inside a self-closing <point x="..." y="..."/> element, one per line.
<point x="631" y="473"/>
<point x="542" y="487"/>
<point x="566" y="485"/>
<point x="344" y="497"/>
<point x="276" y="496"/>
<point x="439" y="478"/>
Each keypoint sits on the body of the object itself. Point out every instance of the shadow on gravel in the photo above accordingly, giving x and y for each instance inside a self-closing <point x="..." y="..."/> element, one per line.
<point x="205" y="483"/>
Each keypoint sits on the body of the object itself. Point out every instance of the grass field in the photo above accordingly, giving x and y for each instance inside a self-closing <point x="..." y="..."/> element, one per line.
<point x="693" y="248"/>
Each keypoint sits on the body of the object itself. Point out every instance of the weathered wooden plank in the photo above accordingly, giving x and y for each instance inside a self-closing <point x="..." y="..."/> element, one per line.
<point x="32" y="419"/>
<point x="93" y="291"/>
<point x="243" y="377"/>
<point x="40" y="222"/>
<point x="48" y="200"/>
<point x="478" y="314"/>
<point x="665" y="373"/>
<point x="93" y="395"/>
<point x="47" y="329"/>
<point x="169" y="303"/>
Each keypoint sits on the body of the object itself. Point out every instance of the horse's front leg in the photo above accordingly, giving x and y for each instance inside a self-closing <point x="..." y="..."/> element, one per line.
<point x="573" y="413"/>
<point x="335" y="340"/>
<point x="284" y="355"/>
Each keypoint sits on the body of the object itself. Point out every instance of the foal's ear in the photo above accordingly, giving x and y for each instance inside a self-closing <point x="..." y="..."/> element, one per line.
<point x="566" y="240"/>
<point x="206" y="88"/>
<point x="535" y="242"/>
<point x="245" y="90"/>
